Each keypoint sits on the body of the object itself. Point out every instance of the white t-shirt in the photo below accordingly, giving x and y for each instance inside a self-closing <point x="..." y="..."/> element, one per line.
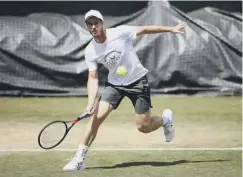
<point x="116" y="51"/>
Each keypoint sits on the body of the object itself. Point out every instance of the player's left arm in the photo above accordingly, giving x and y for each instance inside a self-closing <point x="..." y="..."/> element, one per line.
<point x="140" y="30"/>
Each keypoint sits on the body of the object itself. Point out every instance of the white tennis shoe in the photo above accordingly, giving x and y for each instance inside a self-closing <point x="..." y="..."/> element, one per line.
<point x="168" y="126"/>
<point x="77" y="163"/>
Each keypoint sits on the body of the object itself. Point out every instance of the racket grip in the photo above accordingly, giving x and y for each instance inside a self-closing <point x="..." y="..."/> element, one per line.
<point x="84" y="115"/>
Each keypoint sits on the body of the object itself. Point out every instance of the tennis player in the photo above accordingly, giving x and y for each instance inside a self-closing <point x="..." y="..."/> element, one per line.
<point x="113" y="47"/>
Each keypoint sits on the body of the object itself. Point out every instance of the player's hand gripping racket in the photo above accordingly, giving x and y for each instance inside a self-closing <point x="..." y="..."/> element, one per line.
<point x="52" y="134"/>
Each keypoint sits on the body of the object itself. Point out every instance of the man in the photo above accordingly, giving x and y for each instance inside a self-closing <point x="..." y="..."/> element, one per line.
<point x="113" y="48"/>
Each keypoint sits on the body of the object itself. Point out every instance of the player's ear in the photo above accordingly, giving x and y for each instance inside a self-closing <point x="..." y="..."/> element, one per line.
<point x="102" y="22"/>
<point x="86" y="25"/>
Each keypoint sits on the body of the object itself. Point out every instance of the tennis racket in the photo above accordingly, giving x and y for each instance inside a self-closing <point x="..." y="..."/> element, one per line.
<point x="52" y="134"/>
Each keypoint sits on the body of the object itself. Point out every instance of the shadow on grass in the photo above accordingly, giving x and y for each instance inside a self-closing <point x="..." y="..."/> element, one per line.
<point x="155" y="164"/>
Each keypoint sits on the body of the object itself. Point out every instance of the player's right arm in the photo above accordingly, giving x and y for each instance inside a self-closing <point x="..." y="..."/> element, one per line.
<point x="93" y="81"/>
<point x="92" y="86"/>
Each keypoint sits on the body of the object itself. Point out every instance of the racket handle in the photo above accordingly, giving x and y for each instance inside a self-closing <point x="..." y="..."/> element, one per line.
<point x="84" y="115"/>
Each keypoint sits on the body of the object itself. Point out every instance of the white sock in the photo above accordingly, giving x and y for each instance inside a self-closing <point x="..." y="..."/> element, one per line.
<point x="165" y="116"/>
<point x="83" y="149"/>
<point x="165" y="120"/>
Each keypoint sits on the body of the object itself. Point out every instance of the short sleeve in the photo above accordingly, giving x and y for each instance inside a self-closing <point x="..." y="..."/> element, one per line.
<point x="92" y="65"/>
<point x="128" y="32"/>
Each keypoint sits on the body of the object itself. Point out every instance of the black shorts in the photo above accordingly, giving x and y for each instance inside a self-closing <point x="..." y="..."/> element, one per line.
<point x="138" y="92"/>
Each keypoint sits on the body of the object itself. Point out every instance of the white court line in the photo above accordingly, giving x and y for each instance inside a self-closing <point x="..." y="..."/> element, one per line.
<point x="127" y="149"/>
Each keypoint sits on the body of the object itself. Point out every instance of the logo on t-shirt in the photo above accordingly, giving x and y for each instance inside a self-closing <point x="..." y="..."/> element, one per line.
<point x="113" y="57"/>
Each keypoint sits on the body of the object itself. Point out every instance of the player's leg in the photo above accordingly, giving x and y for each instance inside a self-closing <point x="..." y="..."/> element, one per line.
<point x="110" y="100"/>
<point x="103" y="110"/>
<point x="140" y="97"/>
<point x="78" y="161"/>
<point x="144" y="121"/>
<point x="147" y="123"/>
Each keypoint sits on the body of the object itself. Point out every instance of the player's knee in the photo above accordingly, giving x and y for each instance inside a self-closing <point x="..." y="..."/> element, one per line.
<point x="143" y="121"/>
<point x="100" y="119"/>
<point x="102" y="113"/>
<point x="143" y="127"/>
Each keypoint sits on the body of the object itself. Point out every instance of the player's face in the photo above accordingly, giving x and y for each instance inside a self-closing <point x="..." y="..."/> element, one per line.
<point x="95" y="26"/>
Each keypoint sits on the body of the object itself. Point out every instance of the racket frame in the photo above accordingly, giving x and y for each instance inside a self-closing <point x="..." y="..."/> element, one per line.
<point x="82" y="116"/>
<point x="68" y="128"/>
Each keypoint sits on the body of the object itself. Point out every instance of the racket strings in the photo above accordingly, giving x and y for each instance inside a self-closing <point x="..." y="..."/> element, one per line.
<point x="53" y="134"/>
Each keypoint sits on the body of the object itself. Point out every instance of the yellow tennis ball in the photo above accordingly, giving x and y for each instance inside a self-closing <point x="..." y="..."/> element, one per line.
<point x="121" y="70"/>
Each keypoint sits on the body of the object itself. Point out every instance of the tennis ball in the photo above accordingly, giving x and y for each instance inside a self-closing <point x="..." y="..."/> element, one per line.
<point x="121" y="70"/>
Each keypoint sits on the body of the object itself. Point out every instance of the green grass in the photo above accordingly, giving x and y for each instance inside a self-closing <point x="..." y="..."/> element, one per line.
<point x="200" y="122"/>
<point x="120" y="164"/>
<point x="194" y="109"/>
